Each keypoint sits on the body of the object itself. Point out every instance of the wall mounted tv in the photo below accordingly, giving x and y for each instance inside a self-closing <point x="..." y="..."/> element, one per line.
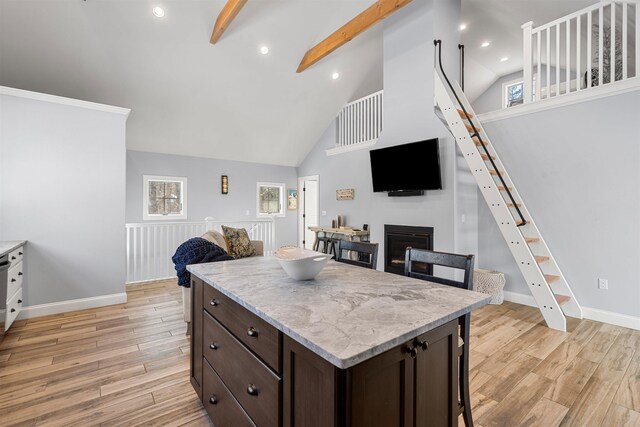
<point x="407" y="169"/>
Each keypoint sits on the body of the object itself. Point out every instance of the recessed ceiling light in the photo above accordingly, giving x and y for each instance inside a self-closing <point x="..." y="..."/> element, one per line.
<point x="504" y="59"/>
<point x="158" y="11"/>
<point x="264" y="50"/>
<point x="485" y="44"/>
<point x="463" y="27"/>
<point x="335" y="76"/>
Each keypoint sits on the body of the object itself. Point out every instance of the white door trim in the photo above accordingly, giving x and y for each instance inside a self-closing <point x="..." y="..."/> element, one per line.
<point x="301" y="204"/>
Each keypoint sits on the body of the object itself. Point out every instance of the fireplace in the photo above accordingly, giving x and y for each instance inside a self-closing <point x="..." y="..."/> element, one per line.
<point x="397" y="238"/>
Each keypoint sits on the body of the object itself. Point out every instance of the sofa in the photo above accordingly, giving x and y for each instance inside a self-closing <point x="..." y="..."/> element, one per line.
<point x="216" y="238"/>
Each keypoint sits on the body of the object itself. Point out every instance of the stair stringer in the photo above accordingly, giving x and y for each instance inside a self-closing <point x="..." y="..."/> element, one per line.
<point x="534" y="276"/>
<point x="561" y="287"/>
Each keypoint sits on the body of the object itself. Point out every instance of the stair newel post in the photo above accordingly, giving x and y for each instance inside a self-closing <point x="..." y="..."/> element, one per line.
<point x="527" y="45"/>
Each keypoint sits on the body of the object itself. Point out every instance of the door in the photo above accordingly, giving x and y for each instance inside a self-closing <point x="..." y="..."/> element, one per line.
<point x="308" y="212"/>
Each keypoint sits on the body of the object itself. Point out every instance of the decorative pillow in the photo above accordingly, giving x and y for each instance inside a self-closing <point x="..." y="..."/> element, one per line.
<point x="238" y="242"/>
<point x="216" y="238"/>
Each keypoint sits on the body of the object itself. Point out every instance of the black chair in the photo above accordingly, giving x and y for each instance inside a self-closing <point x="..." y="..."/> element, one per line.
<point x="328" y="245"/>
<point x="367" y="253"/>
<point x="461" y="262"/>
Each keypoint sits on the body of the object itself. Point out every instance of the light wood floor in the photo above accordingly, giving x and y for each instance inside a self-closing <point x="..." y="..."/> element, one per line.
<point x="128" y="365"/>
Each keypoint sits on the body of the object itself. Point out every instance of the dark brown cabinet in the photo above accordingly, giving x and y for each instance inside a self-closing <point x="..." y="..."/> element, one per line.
<point x="277" y="381"/>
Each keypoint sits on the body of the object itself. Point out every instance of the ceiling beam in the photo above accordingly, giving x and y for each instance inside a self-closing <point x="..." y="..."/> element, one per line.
<point x="227" y="15"/>
<point x="366" y="19"/>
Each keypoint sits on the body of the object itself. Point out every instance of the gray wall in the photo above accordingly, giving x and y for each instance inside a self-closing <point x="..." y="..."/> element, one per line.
<point x="576" y="168"/>
<point x="408" y="116"/>
<point x="203" y="188"/>
<point x="62" y="172"/>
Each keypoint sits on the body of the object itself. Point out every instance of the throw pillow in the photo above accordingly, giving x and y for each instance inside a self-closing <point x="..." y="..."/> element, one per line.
<point x="238" y="242"/>
<point x="216" y="238"/>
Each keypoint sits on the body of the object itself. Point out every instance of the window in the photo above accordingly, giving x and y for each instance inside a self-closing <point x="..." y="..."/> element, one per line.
<point x="270" y="199"/>
<point x="513" y="94"/>
<point x="165" y="198"/>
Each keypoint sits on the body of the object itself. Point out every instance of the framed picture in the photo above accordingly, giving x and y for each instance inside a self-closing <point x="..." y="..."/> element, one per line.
<point x="292" y="199"/>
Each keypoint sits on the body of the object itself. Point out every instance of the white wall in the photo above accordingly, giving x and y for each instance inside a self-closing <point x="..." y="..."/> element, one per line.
<point x="62" y="180"/>
<point x="576" y="168"/>
<point x="408" y="116"/>
<point x="204" y="197"/>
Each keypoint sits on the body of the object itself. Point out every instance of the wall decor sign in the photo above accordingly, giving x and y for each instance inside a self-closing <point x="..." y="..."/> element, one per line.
<point x="345" y="194"/>
<point x="292" y="199"/>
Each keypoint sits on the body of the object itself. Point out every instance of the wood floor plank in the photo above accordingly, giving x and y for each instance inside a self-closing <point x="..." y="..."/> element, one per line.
<point x="597" y="347"/>
<point x="628" y="394"/>
<point x="618" y="416"/>
<point x="516" y="405"/>
<point x="545" y="413"/>
<point x="570" y="383"/>
<point x="499" y="386"/>
<point x="590" y="408"/>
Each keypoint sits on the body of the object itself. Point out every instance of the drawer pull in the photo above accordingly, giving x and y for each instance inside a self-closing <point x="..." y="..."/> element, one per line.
<point x="423" y="345"/>
<point x="252" y="390"/>
<point x="13" y="280"/>
<point x="412" y="351"/>
<point x="252" y="332"/>
<point x="213" y="346"/>
<point x="12" y="258"/>
<point x="20" y="273"/>
<point x="19" y="301"/>
<point x="13" y="310"/>
<point x="214" y="302"/>
<point x="213" y="399"/>
<point x="19" y="253"/>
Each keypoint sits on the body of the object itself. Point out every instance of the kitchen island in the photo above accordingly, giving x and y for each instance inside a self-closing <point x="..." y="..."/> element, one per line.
<point x="354" y="347"/>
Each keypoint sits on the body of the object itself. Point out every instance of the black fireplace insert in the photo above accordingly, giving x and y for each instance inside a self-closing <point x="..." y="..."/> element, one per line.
<point x="397" y="238"/>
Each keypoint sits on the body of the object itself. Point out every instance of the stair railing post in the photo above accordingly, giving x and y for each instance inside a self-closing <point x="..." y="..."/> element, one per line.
<point x="527" y="44"/>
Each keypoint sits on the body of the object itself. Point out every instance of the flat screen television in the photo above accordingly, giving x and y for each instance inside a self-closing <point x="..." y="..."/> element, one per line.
<point x="407" y="168"/>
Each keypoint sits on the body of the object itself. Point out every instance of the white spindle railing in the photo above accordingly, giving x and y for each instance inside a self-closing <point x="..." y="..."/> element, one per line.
<point x="593" y="45"/>
<point x="150" y="246"/>
<point x="359" y="123"/>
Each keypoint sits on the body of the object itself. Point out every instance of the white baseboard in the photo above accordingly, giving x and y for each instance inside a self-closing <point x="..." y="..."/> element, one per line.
<point x="596" y="314"/>
<point x="142" y="282"/>
<point x="40" y="310"/>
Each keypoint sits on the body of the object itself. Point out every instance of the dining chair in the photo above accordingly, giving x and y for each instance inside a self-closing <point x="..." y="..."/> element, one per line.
<point x="367" y="253"/>
<point x="460" y="262"/>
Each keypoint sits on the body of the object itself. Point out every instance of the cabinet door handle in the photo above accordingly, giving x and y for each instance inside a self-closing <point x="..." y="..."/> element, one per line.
<point x="423" y="345"/>
<point x="252" y="332"/>
<point x="19" y="253"/>
<point x="12" y="258"/>
<point x="20" y="273"/>
<point x="213" y="346"/>
<point x="213" y="399"/>
<point x="19" y="301"/>
<point x="214" y="302"/>
<point x="412" y="352"/>
<point x="13" y="280"/>
<point x="252" y="390"/>
<point x="13" y="310"/>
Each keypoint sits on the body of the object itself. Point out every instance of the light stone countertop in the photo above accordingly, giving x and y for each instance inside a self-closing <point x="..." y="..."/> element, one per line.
<point x="348" y="314"/>
<point x="8" y="246"/>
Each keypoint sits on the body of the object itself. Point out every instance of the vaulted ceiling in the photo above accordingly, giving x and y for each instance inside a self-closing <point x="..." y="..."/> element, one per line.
<point x="188" y="96"/>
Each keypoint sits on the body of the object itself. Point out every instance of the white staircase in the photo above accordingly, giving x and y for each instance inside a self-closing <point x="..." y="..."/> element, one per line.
<point x="540" y="270"/>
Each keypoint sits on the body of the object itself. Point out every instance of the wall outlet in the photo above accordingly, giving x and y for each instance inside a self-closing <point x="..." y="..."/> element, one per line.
<point x="324" y="213"/>
<point x="603" y="284"/>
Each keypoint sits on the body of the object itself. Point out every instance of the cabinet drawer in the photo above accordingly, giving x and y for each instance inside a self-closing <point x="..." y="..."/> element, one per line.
<point x="16" y="255"/>
<point x="252" y="383"/>
<point x="254" y="332"/>
<point x="14" y="305"/>
<point x="14" y="279"/>
<point x="222" y="407"/>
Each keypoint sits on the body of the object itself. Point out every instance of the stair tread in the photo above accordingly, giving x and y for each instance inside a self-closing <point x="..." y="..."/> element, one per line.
<point x="495" y="172"/>
<point x="462" y="115"/>
<point x="485" y="157"/>
<point x="532" y="239"/>
<point x="541" y="258"/>
<point x="519" y="222"/>
<point x="511" y="205"/>
<point x="562" y="299"/>
<point x="470" y="128"/>
<point x="503" y="188"/>
<point x="550" y="278"/>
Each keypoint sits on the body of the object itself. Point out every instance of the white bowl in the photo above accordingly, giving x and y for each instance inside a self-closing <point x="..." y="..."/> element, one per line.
<point x="301" y="264"/>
